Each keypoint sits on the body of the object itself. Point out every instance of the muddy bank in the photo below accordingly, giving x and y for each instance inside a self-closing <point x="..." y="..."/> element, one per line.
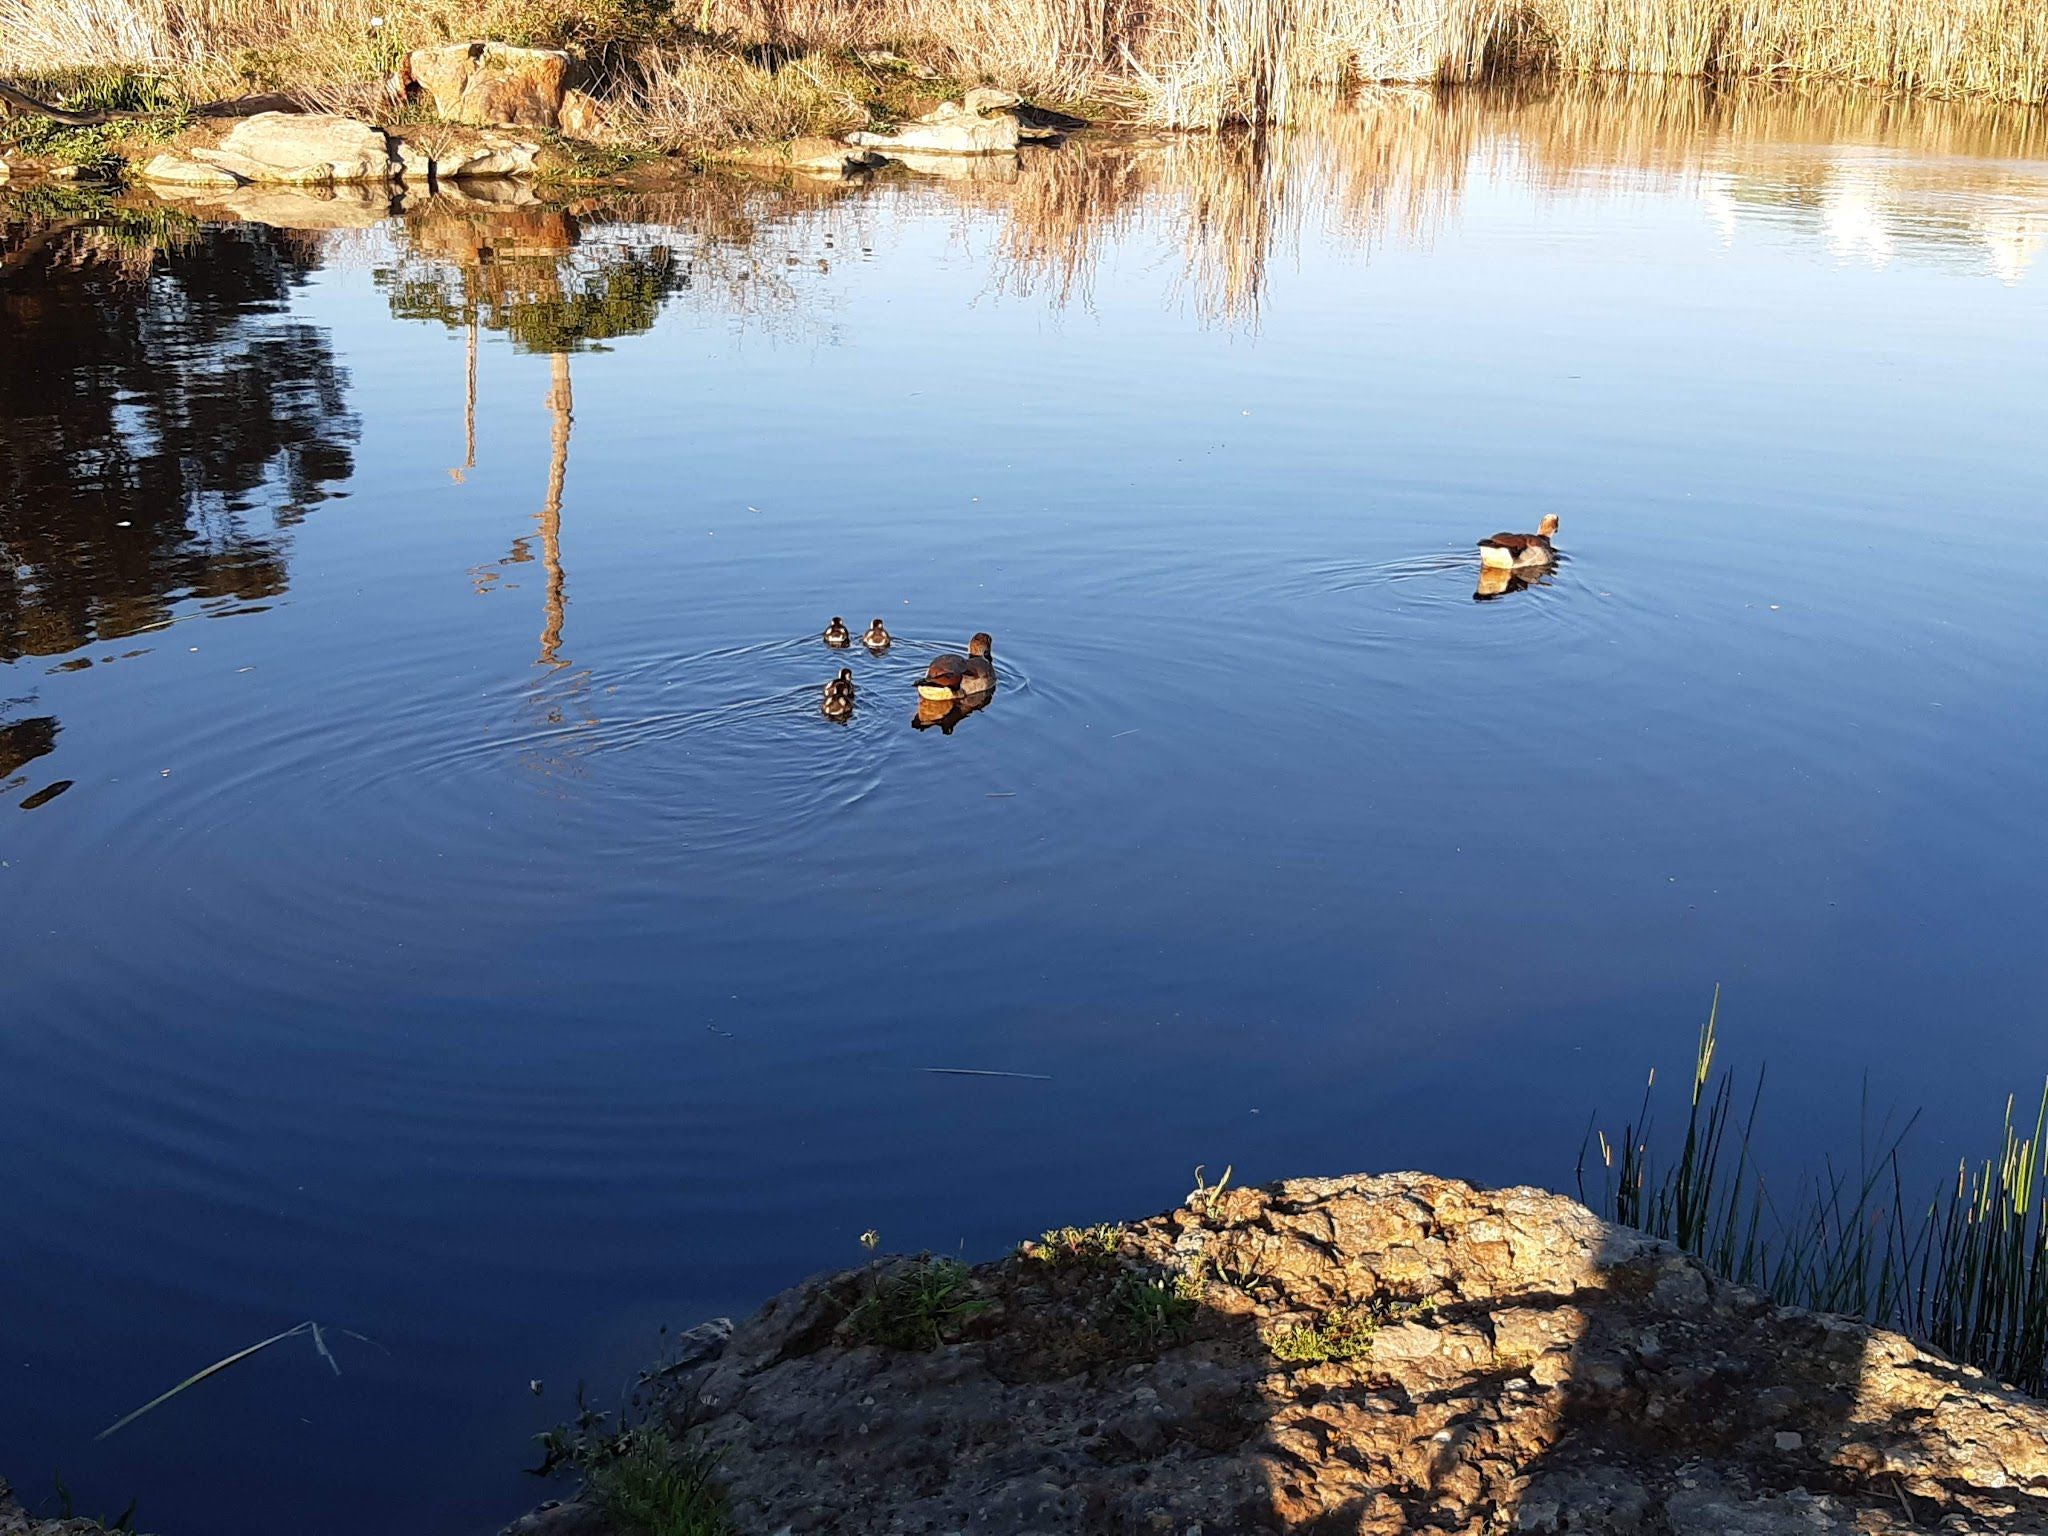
<point x="1368" y="1354"/>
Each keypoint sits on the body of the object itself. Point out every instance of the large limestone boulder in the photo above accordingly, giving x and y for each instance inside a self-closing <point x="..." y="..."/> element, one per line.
<point x="301" y="148"/>
<point x="489" y="84"/>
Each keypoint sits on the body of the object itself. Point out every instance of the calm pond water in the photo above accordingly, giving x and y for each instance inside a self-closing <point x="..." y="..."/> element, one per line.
<point x="462" y="928"/>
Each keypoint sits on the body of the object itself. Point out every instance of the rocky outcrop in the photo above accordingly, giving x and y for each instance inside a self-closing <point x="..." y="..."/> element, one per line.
<point x="15" y="1521"/>
<point x="1362" y="1355"/>
<point x="491" y="84"/>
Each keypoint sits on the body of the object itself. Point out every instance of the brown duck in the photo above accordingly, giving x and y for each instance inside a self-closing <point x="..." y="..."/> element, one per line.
<point x="950" y="676"/>
<point x="1521" y="550"/>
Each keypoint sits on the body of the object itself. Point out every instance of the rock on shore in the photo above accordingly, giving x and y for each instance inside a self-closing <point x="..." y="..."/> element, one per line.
<point x="1361" y="1355"/>
<point x="16" y="1521"/>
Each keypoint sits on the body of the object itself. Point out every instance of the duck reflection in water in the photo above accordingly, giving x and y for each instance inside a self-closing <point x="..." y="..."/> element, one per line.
<point x="947" y="713"/>
<point x="1498" y="580"/>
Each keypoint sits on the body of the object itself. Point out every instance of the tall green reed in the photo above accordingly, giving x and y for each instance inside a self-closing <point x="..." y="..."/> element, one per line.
<point x="1967" y="1274"/>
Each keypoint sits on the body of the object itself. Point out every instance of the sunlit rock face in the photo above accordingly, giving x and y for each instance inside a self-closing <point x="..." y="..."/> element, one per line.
<point x="492" y="83"/>
<point x="1368" y="1354"/>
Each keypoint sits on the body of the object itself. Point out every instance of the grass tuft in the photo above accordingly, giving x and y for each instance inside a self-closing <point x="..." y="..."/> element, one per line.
<point x="1096" y="1247"/>
<point x="1152" y="1311"/>
<point x="650" y="1486"/>
<point x="924" y="1306"/>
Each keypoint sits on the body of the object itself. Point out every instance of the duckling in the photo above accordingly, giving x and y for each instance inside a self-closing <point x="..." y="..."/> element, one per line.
<point x="1521" y="549"/>
<point x="837" y="635"/>
<point x="950" y="676"/>
<point x="838" y="701"/>
<point x="877" y="639"/>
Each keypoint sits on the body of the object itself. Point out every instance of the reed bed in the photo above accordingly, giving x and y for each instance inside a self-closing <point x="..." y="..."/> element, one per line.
<point x="1967" y="1272"/>
<point x="712" y="69"/>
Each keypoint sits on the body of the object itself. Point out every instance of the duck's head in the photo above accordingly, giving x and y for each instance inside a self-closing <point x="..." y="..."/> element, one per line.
<point x="1548" y="527"/>
<point x="876" y="628"/>
<point x="846" y="677"/>
<point x="980" y="645"/>
<point x="837" y="623"/>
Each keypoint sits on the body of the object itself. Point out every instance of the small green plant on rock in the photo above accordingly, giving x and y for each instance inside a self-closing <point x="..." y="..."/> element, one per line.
<point x="650" y="1486"/>
<point x="1342" y="1333"/>
<point x="1208" y="1196"/>
<point x="1151" y="1311"/>
<point x="1095" y="1247"/>
<point x="646" y="1483"/>
<point x="1243" y="1270"/>
<point x="923" y="1307"/>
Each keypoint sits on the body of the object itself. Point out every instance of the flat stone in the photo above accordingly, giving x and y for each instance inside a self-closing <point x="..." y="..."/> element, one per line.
<point x="954" y="132"/>
<point x="173" y="169"/>
<point x="302" y="148"/>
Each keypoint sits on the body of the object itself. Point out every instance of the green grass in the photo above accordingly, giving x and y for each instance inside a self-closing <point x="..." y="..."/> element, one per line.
<point x="1096" y="1247"/>
<point x="1966" y="1272"/>
<point x="1152" y="1311"/>
<point x="650" y="1486"/>
<point x="100" y="146"/>
<point x="923" y="1307"/>
<point x="645" y="1482"/>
